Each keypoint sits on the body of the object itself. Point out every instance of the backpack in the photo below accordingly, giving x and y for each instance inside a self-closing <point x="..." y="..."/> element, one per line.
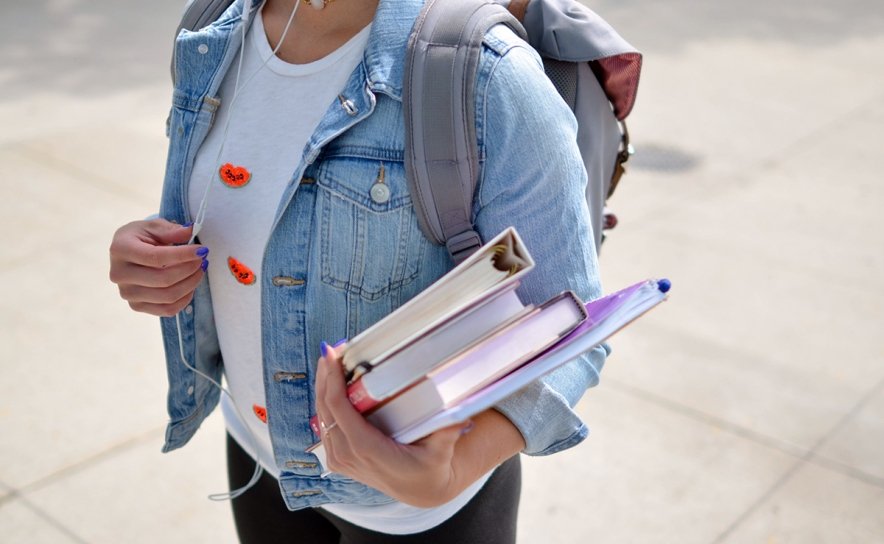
<point x="594" y="70"/>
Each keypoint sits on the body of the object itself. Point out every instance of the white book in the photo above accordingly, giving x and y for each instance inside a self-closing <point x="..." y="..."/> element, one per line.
<point x="394" y="373"/>
<point x="495" y="266"/>
<point x="606" y="316"/>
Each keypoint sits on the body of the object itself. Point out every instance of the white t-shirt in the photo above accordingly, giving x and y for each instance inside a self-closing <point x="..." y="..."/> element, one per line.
<point x="273" y="117"/>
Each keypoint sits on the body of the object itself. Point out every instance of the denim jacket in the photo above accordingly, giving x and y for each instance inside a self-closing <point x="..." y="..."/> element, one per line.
<point x="337" y="261"/>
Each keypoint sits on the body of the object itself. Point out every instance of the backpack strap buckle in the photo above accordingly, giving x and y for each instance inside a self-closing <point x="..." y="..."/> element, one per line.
<point x="463" y="245"/>
<point x="626" y="151"/>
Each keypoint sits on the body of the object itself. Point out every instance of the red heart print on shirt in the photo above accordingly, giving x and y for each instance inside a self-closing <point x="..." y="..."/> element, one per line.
<point x="241" y="272"/>
<point x="234" y="176"/>
<point x="260" y="412"/>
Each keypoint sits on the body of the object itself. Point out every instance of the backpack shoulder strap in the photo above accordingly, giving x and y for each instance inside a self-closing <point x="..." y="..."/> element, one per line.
<point x="441" y="149"/>
<point x="198" y="14"/>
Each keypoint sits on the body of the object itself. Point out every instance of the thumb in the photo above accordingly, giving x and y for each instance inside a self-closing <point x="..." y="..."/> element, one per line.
<point x="165" y="232"/>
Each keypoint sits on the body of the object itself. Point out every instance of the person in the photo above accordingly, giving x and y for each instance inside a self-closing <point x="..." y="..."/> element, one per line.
<point x="294" y="127"/>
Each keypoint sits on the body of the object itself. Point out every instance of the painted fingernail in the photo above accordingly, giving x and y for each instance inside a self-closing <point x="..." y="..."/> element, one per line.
<point x="186" y="225"/>
<point x="205" y="264"/>
<point x="467" y="429"/>
<point x="339" y="342"/>
<point x="202" y="252"/>
<point x="323" y="347"/>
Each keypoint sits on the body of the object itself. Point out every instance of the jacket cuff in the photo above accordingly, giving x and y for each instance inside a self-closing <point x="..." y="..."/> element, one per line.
<point x="543" y="411"/>
<point x="545" y="419"/>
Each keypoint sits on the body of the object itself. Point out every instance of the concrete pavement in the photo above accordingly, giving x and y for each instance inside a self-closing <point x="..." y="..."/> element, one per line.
<point x="748" y="409"/>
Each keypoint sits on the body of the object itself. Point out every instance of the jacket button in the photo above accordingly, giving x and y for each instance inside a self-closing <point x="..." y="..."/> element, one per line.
<point x="348" y="106"/>
<point x="380" y="193"/>
<point x="287" y="280"/>
<point x="289" y="376"/>
<point x="306" y="493"/>
<point x="298" y="464"/>
<point x="203" y="49"/>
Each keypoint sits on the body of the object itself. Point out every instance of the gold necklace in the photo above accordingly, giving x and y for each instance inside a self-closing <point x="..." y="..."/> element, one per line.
<point x="318" y="4"/>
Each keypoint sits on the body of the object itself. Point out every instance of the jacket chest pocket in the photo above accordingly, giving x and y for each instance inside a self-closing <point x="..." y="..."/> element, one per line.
<point x="371" y="243"/>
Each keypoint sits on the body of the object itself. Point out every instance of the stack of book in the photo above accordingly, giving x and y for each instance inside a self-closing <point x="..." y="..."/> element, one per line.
<point x="467" y="342"/>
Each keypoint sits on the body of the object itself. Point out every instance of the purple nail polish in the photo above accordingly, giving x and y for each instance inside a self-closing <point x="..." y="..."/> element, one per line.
<point x="467" y="429"/>
<point x="202" y="252"/>
<point x="339" y="342"/>
<point x="323" y="347"/>
<point x="205" y="264"/>
<point x="186" y="225"/>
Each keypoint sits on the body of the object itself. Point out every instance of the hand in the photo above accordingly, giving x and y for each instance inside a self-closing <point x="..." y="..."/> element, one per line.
<point x="155" y="276"/>
<point x="420" y="474"/>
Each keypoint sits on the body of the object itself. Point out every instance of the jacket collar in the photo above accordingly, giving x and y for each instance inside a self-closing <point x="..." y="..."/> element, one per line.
<point x="384" y="58"/>
<point x="385" y="51"/>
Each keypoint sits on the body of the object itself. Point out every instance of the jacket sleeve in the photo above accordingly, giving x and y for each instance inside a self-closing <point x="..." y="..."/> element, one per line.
<point x="533" y="178"/>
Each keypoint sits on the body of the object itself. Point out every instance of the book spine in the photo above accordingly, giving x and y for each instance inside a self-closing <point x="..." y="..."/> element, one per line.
<point x="359" y="397"/>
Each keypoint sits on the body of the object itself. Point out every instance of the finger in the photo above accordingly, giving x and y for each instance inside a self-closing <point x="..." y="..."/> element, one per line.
<point x="354" y="441"/>
<point x="162" y="310"/>
<point x="165" y="232"/>
<point x="322" y="411"/>
<point x="145" y="276"/>
<point x="347" y="417"/>
<point x="326" y="361"/>
<point x="319" y="389"/>
<point x="135" y="244"/>
<point x="337" y="448"/>
<point x="162" y="296"/>
<point x="145" y="254"/>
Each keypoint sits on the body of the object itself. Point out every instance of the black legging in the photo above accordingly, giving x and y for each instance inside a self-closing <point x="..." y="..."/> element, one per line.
<point x="262" y="517"/>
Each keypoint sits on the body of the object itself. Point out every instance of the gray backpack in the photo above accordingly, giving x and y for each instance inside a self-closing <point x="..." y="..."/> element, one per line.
<point x="594" y="70"/>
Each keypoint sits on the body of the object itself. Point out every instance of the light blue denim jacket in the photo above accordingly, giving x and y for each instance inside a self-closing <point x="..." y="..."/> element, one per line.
<point x="336" y="261"/>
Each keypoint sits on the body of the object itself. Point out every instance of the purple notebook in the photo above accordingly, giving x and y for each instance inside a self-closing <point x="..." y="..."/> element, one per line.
<point x="606" y="316"/>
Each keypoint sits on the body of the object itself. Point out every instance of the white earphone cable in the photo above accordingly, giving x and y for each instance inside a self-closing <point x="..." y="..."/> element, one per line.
<point x="197" y="226"/>
<point x="201" y="213"/>
<point x="259" y="470"/>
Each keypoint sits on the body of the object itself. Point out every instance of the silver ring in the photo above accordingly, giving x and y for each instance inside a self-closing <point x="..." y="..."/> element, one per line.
<point x="327" y="428"/>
